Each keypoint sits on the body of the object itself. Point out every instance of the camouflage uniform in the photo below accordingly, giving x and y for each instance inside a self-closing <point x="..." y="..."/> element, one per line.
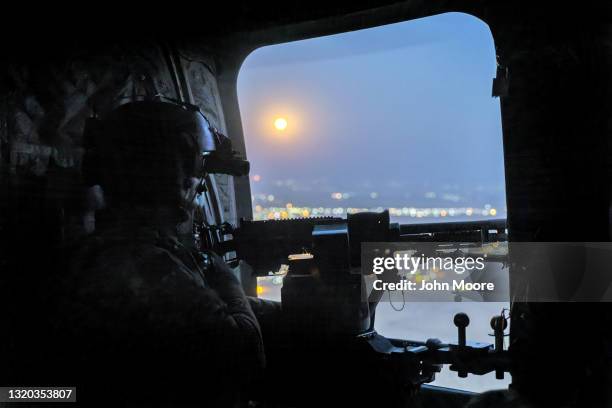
<point x="144" y="316"/>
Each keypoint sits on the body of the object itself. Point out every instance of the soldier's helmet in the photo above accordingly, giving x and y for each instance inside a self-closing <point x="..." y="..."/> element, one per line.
<point x="145" y="151"/>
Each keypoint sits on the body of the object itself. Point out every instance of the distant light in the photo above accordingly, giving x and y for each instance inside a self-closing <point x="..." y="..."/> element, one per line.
<point x="289" y="205"/>
<point x="337" y="196"/>
<point x="280" y="124"/>
<point x="260" y="290"/>
<point x="493" y="211"/>
<point x="270" y="198"/>
<point x="305" y="213"/>
<point x="373" y="195"/>
<point x="256" y="178"/>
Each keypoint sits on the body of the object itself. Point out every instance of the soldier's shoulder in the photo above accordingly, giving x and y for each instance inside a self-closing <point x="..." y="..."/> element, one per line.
<point x="150" y="258"/>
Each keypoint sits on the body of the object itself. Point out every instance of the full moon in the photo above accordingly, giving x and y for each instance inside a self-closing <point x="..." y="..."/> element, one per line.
<point x="280" y="123"/>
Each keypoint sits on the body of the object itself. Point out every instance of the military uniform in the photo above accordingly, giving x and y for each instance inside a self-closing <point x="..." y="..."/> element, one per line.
<point x="144" y="318"/>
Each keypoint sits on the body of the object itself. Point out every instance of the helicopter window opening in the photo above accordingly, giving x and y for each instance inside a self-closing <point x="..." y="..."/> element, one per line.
<point x="400" y="117"/>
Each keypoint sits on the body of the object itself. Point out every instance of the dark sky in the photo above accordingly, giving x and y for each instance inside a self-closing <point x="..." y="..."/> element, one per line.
<point x="407" y="104"/>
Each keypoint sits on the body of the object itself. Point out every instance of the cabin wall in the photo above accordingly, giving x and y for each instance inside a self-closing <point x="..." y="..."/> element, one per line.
<point x="42" y="114"/>
<point x="203" y="77"/>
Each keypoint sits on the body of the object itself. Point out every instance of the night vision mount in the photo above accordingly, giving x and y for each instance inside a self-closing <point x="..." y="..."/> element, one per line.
<point x="173" y="119"/>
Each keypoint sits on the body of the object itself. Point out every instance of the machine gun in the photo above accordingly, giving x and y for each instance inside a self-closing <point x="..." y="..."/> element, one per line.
<point x="322" y="293"/>
<point x="266" y="245"/>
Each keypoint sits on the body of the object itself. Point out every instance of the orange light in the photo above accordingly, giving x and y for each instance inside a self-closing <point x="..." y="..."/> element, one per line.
<point x="280" y="124"/>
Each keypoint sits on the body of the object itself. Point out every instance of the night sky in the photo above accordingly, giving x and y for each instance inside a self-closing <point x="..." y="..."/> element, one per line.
<point x="405" y="106"/>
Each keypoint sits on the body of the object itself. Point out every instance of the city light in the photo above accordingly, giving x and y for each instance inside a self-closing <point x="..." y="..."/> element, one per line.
<point x="290" y="210"/>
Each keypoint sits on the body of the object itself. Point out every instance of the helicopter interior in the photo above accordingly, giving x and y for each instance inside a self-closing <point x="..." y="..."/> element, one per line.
<point x="551" y="87"/>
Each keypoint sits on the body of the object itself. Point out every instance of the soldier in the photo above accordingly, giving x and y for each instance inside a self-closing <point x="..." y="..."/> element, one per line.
<point x="143" y="316"/>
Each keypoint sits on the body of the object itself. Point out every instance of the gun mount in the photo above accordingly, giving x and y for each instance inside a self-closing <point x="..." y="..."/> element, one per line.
<point x="465" y="357"/>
